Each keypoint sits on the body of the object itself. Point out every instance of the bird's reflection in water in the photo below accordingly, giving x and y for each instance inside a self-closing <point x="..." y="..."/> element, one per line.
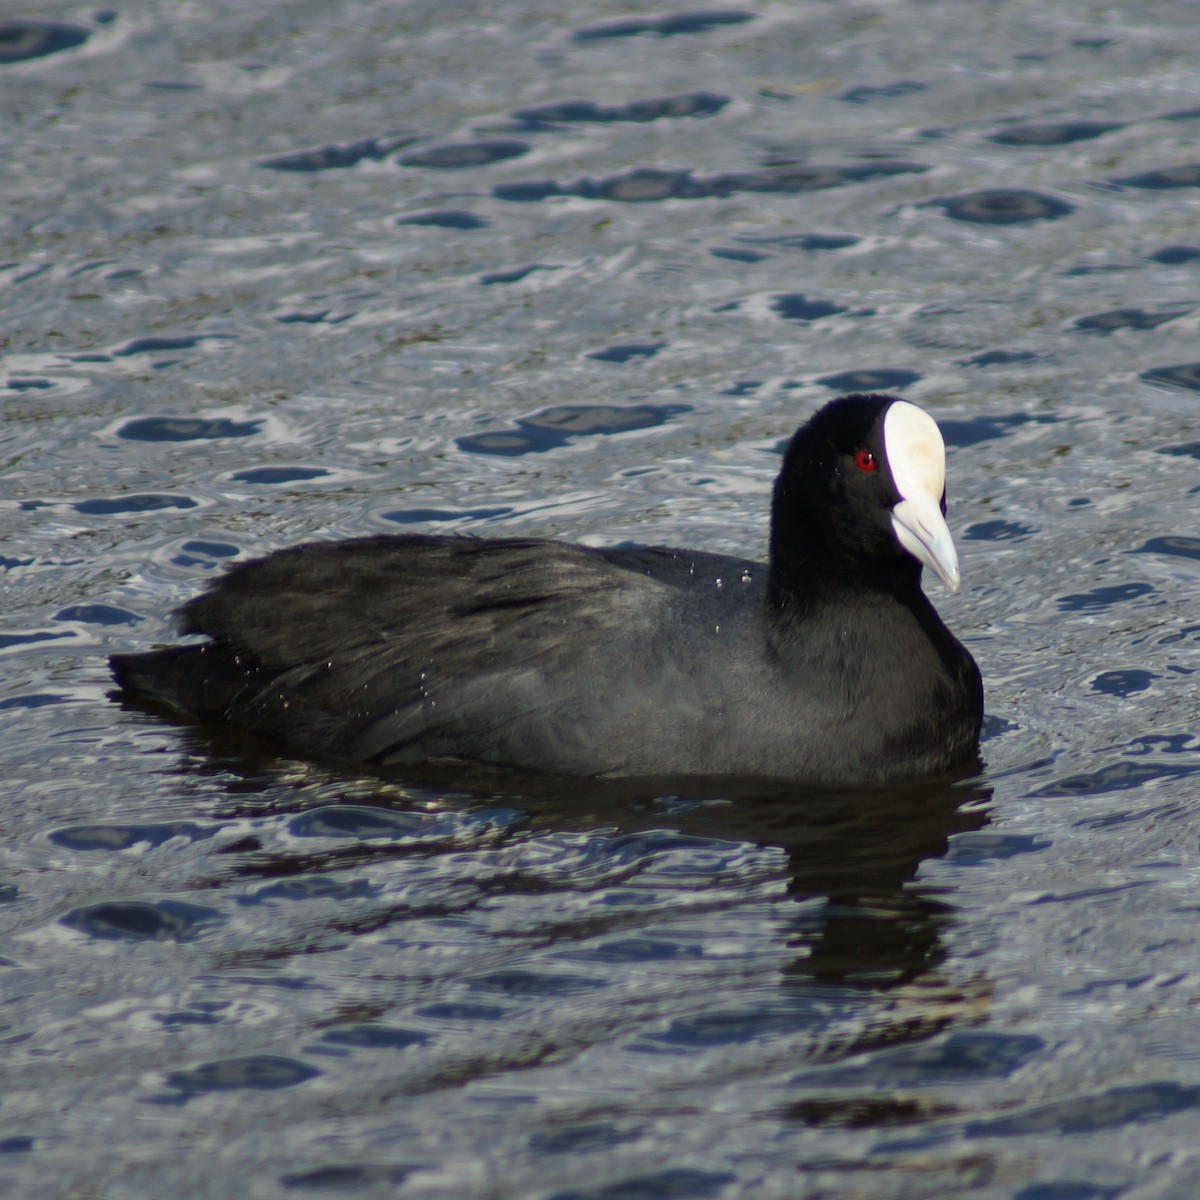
<point x="856" y="851"/>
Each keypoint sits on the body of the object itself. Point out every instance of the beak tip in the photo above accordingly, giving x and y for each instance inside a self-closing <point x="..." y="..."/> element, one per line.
<point x="925" y="536"/>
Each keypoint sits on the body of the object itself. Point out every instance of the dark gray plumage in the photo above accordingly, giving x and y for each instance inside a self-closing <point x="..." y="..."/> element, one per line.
<point x="827" y="665"/>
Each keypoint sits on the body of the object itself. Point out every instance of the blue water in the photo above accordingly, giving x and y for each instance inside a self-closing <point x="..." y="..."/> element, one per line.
<point x="296" y="270"/>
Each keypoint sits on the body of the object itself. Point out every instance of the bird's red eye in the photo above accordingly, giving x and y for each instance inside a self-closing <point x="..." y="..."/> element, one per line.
<point x="864" y="460"/>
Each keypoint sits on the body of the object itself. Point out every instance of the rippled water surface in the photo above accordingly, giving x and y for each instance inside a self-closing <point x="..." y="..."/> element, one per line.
<point x="295" y="269"/>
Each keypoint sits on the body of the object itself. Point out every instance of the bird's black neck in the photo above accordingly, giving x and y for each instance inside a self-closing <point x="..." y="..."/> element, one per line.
<point x="808" y="572"/>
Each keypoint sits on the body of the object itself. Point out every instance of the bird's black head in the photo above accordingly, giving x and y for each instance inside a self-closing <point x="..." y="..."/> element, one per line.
<point x="860" y="501"/>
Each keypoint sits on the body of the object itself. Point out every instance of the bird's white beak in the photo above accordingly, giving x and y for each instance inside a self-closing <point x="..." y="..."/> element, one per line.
<point x="917" y="457"/>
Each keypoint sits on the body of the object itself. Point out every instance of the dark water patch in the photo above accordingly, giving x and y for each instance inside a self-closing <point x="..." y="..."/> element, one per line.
<point x="795" y="306"/>
<point x="141" y="921"/>
<point x="998" y="531"/>
<point x="212" y="549"/>
<point x="825" y="241"/>
<point x="962" y="1057"/>
<point x="1123" y="683"/>
<point x="1054" y="134"/>
<point x="1165" y="180"/>
<point x="419" y="516"/>
<point x="730" y="1028"/>
<point x="637" y="950"/>
<point x="34" y="700"/>
<point x="29" y="385"/>
<point x="1183" y="375"/>
<point x="743" y="387"/>
<point x="582" y="112"/>
<point x="868" y="94"/>
<point x="173" y="85"/>
<point x="974" y="849"/>
<point x="32" y="273"/>
<point x="1177" y="546"/>
<point x="648" y="184"/>
<point x="335" y="157"/>
<point x="1126" y="318"/>
<point x="803" y="241"/>
<point x="186" y="429"/>
<point x="460" y="1011"/>
<point x="287" y="983"/>
<point x="16" y="1145"/>
<point x="346" y="1178"/>
<point x="1189" y="633"/>
<point x="865" y="1112"/>
<point x="674" y="1183"/>
<point x="201" y="1013"/>
<point x="310" y="887"/>
<point x="554" y="427"/>
<point x="375" y="1037"/>
<point x="1100" y="598"/>
<point x="966" y="1057"/>
<point x="115" y="838"/>
<point x="1001" y="206"/>
<point x="1164" y="743"/>
<point x="733" y="254"/>
<point x="107" y="506"/>
<point x="882" y="379"/>
<point x="90" y="358"/>
<point x="9" y="564"/>
<point x="1109" y="1109"/>
<point x="87" y="267"/>
<point x="447" y="218"/>
<point x="995" y="726"/>
<point x="303" y="318"/>
<point x="359" y="822"/>
<point x="519" y="984"/>
<point x="464" y="154"/>
<point x="160" y="345"/>
<point x="1088" y="269"/>
<point x="271" y="476"/>
<point x="1175" y="256"/>
<point x="530" y="193"/>
<point x="97" y="614"/>
<point x="30" y="638"/>
<point x="1068" y="1189"/>
<point x="580" y="1139"/>
<point x="1116" y="777"/>
<point x="1115" y="819"/>
<point x="325" y="318"/>
<point x="203" y="554"/>
<point x="670" y="25"/>
<point x="624" y="352"/>
<point x="21" y="40"/>
<point x="516" y="275"/>
<point x="255" y="1072"/>
<point x="999" y="358"/>
<point x="974" y="430"/>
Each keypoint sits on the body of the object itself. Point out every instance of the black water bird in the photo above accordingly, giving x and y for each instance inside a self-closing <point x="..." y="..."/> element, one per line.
<point x="825" y="664"/>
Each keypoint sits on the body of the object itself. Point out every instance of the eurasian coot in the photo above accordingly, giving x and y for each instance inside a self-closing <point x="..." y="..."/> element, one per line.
<point x="826" y="664"/>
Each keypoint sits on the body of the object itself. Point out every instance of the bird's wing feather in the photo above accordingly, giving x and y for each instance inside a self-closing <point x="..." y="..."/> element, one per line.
<point x="359" y="648"/>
